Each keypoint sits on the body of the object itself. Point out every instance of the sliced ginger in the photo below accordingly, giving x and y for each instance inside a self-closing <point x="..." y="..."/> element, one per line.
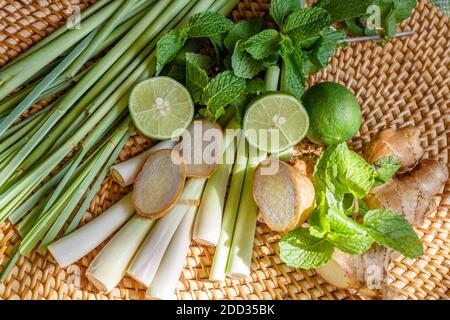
<point x="284" y="196"/>
<point x="159" y="184"/>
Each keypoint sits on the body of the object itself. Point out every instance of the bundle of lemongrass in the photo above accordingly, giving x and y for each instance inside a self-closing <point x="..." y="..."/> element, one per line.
<point x="153" y="252"/>
<point x="49" y="161"/>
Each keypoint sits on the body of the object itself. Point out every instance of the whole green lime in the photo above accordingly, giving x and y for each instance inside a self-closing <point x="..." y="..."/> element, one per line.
<point x="334" y="113"/>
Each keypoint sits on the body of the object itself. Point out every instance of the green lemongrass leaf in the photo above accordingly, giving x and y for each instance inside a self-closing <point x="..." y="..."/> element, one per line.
<point x="393" y="231"/>
<point x="207" y="24"/>
<point x="385" y="169"/>
<point x="341" y="10"/>
<point x="221" y="91"/>
<point x="326" y="46"/>
<point x="197" y="67"/>
<point x="168" y="47"/>
<point x="243" y="30"/>
<point x="281" y="9"/>
<point x="263" y="45"/>
<point x="305" y="23"/>
<point x="243" y="64"/>
<point x="299" y="249"/>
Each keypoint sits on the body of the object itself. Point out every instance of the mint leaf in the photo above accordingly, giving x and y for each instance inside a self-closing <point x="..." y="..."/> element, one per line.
<point x="341" y="10"/>
<point x="293" y="79"/>
<point x="281" y="9"/>
<point x="343" y="171"/>
<point x="305" y="23"/>
<point x="326" y="46"/>
<point x="243" y="64"/>
<point x="353" y="244"/>
<point x="197" y="79"/>
<point x="255" y="87"/>
<point x="243" y="30"/>
<point x="178" y="72"/>
<point x="263" y="44"/>
<point x="385" y="169"/>
<point x="168" y="47"/>
<point x="392" y="230"/>
<point x="207" y="24"/>
<point x="220" y="92"/>
<point x="403" y="9"/>
<point x="299" y="249"/>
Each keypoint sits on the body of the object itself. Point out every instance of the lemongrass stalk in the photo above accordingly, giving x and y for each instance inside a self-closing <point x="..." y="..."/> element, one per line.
<point x="79" y="243"/>
<point x="166" y="279"/>
<point x="63" y="29"/>
<point x="110" y="265"/>
<point x="20" y="212"/>
<point x="48" y="218"/>
<point x="209" y="217"/>
<point x="70" y="122"/>
<point x="95" y="188"/>
<point x="226" y="7"/>
<point x="219" y="265"/>
<point x="118" y="139"/>
<point x="244" y="233"/>
<point x="285" y="155"/>
<point x="146" y="263"/>
<point x="20" y="72"/>
<point x="201" y="6"/>
<point x="29" y="122"/>
<point x="43" y="85"/>
<point x="272" y="78"/>
<point x="103" y="33"/>
<point x="126" y="172"/>
<point x="30" y="220"/>
<point x="10" y="265"/>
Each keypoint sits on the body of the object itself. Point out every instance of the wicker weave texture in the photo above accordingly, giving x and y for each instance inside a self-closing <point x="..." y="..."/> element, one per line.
<point x="406" y="82"/>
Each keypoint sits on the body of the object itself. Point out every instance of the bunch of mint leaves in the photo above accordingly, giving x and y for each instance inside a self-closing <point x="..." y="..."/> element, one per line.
<point x="340" y="177"/>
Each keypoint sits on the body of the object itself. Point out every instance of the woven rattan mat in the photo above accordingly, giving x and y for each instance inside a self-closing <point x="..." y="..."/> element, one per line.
<point x="406" y="82"/>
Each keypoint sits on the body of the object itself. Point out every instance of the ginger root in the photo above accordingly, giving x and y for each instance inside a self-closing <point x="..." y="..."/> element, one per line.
<point x="403" y="143"/>
<point x="411" y="194"/>
<point x="285" y="197"/>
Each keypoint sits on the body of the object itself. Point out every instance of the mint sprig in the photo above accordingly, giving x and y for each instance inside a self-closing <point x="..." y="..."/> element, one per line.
<point x="341" y="172"/>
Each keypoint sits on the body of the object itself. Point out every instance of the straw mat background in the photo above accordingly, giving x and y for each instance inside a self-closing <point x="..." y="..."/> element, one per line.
<point x="406" y="82"/>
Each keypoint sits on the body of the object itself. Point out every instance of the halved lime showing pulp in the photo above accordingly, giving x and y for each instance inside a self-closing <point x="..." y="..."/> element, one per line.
<point x="161" y="107"/>
<point x="275" y="122"/>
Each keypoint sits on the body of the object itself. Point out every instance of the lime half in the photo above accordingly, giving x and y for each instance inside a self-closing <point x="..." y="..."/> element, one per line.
<point x="161" y="107"/>
<point x="275" y="122"/>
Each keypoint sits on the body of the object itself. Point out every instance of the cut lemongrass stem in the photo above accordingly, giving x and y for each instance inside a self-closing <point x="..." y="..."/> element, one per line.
<point x="376" y="37"/>
<point x="79" y="243"/>
<point x="110" y="265"/>
<point x="219" y="265"/>
<point x="209" y="217"/>
<point x="244" y="233"/>
<point x="125" y="173"/>
<point x="146" y="263"/>
<point x="166" y="279"/>
<point x="272" y="78"/>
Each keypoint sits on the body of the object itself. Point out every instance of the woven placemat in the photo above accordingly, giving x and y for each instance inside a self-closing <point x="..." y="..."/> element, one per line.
<point x="406" y="82"/>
